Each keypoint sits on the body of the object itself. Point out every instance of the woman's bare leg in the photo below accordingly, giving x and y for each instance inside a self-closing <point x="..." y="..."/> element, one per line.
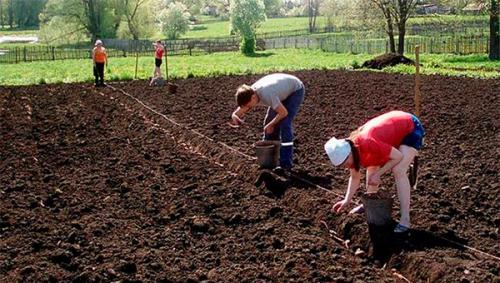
<point x="403" y="183"/>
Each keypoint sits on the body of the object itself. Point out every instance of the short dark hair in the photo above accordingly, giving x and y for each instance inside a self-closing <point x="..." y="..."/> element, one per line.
<point x="244" y="95"/>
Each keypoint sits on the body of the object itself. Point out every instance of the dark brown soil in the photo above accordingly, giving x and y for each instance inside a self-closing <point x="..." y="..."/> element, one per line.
<point x="387" y="60"/>
<point x="96" y="188"/>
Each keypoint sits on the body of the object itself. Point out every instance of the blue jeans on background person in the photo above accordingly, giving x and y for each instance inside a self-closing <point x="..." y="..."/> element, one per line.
<point x="284" y="131"/>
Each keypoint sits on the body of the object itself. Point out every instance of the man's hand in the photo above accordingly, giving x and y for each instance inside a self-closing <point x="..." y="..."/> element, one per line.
<point x="339" y="206"/>
<point x="269" y="129"/>
<point x="235" y="121"/>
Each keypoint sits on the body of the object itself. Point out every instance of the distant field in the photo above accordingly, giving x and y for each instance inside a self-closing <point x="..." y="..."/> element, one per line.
<point x="227" y="63"/>
<point x="456" y="19"/>
<point x="215" y="28"/>
<point x="18" y="32"/>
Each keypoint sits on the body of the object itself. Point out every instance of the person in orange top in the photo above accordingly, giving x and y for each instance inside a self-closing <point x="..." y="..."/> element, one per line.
<point x="387" y="142"/>
<point x="100" y="58"/>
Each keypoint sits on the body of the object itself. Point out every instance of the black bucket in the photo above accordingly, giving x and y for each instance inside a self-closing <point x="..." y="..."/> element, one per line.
<point x="268" y="154"/>
<point x="378" y="211"/>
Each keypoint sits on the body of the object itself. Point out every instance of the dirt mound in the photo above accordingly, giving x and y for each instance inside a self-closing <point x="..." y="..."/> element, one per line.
<point x="386" y="60"/>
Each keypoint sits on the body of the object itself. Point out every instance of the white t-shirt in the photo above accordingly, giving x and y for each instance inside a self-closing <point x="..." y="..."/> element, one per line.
<point x="274" y="88"/>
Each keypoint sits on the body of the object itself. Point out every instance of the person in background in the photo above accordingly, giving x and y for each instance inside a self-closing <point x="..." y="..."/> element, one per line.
<point x="100" y="58"/>
<point x="282" y="94"/>
<point x="387" y="142"/>
<point x="159" y="51"/>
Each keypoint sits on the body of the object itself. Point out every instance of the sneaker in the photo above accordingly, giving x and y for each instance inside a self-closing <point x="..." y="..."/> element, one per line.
<point x="358" y="210"/>
<point x="399" y="229"/>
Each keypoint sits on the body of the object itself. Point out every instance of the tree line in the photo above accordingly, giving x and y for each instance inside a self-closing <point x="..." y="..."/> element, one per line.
<point x="21" y="14"/>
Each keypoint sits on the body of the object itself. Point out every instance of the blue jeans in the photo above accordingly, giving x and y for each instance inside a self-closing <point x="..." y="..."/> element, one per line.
<point x="284" y="130"/>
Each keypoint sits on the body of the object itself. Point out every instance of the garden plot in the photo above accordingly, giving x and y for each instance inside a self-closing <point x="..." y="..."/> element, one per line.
<point x="97" y="187"/>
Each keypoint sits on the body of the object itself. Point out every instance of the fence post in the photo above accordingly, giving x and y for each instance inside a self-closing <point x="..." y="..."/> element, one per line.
<point x="24" y="54"/>
<point x="53" y="55"/>
<point x="16" y="55"/>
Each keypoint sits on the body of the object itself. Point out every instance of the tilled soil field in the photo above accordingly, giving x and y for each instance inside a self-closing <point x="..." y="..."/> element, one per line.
<point x="96" y="187"/>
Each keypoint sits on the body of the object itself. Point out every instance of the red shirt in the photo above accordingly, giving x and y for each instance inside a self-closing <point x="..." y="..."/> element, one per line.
<point x="379" y="135"/>
<point x="159" y="52"/>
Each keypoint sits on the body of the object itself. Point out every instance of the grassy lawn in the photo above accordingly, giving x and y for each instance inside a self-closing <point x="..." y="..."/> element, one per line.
<point x="477" y="66"/>
<point x="221" y="28"/>
<point x="234" y="63"/>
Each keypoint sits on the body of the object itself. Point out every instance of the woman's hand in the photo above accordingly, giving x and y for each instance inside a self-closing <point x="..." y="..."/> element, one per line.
<point x="339" y="206"/>
<point x="374" y="180"/>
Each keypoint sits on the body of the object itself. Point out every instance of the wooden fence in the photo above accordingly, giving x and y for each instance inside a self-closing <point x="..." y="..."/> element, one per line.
<point x="457" y="44"/>
<point x="470" y="44"/>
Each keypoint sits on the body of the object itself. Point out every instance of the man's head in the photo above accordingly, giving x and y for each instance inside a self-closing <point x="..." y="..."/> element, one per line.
<point x="98" y="42"/>
<point x="246" y="96"/>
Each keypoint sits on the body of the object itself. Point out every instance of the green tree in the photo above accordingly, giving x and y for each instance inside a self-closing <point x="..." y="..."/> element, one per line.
<point x="245" y="18"/>
<point x="312" y="12"/>
<point x="97" y="17"/>
<point x="385" y="6"/>
<point x="137" y="18"/>
<point x="2" y="23"/>
<point x="174" y="20"/>
<point x="273" y="8"/>
<point x="401" y="11"/>
<point x="10" y="13"/>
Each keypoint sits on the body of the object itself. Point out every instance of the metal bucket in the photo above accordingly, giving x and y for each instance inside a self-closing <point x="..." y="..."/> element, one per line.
<point x="378" y="210"/>
<point x="268" y="153"/>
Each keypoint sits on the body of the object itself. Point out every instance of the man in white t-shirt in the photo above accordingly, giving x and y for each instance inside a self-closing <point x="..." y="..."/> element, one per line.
<point x="282" y="94"/>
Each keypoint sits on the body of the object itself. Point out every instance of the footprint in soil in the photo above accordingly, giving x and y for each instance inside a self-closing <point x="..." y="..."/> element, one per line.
<point x="127" y="267"/>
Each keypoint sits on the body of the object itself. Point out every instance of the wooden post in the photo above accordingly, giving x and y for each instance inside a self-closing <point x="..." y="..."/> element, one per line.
<point x="414" y="167"/>
<point x="417" y="81"/>
<point x="136" y="63"/>
<point x="166" y="63"/>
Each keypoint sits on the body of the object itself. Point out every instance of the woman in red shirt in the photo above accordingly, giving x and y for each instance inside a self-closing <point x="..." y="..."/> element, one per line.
<point x="159" y="50"/>
<point x="387" y="142"/>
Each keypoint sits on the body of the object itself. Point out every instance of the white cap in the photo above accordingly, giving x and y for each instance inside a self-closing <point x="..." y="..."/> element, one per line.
<point x="97" y="42"/>
<point x="337" y="150"/>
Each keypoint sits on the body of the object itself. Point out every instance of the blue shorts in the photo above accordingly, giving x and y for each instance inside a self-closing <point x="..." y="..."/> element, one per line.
<point x="415" y="139"/>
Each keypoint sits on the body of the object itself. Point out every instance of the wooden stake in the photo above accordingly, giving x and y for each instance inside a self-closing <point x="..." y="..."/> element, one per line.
<point x="166" y="62"/>
<point x="417" y="81"/>
<point x="414" y="166"/>
<point x="136" y="63"/>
